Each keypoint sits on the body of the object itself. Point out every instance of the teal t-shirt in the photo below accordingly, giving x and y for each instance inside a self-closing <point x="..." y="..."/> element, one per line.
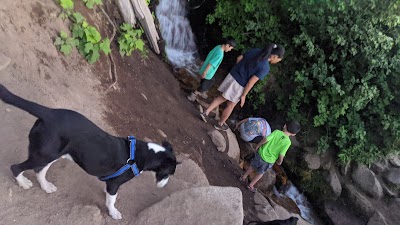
<point x="214" y="58"/>
<point x="278" y="144"/>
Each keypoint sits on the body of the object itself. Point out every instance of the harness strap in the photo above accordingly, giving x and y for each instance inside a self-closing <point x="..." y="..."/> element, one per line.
<point x="128" y="164"/>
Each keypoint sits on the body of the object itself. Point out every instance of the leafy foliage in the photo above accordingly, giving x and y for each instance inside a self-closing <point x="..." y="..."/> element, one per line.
<point x="341" y="67"/>
<point x="67" y="5"/>
<point x="130" y="40"/>
<point x="85" y="37"/>
<point x="91" y="3"/>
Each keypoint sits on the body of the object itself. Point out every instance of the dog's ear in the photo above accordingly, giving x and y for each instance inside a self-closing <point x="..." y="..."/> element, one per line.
<point x="167" y="146"/>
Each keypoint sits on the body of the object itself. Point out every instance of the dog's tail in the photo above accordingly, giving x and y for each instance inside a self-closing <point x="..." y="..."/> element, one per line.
<point x="34" y="109"/>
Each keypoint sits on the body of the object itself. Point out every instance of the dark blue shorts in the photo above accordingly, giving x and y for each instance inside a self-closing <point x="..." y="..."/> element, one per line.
<point x="259" y="164"/>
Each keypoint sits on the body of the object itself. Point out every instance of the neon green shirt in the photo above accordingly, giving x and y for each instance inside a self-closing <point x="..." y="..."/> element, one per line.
<point x="214" y="58"/>
<point x="277" y="144"/>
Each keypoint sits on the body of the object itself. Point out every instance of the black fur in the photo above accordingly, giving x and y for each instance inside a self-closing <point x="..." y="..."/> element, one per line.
<point x="60" y="131"/>
<point x="291" y="221"/>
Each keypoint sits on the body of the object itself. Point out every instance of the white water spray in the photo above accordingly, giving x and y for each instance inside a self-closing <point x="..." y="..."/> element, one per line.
<point x="175" y="29"/>
<point x="301" y="202"/>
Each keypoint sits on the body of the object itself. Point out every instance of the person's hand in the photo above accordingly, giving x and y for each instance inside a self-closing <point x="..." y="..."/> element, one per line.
<point x="242" y="100"/>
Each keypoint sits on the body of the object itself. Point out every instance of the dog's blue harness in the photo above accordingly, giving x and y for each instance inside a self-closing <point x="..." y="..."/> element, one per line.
<point x="130" y="163"/>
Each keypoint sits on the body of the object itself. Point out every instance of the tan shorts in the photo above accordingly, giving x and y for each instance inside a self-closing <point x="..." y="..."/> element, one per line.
<point x="231" y="89"/>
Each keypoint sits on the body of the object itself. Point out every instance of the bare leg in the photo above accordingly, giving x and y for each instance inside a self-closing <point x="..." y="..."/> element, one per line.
<point x="216" y="102"/>
<point x="248" y="172"/>
<point x="227" y="112"/>
<point x="254" y="181"/>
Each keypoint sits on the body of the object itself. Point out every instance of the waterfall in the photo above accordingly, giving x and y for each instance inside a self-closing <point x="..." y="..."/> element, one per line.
<point x="302" y="203"/>
<point x="180" y="45"/>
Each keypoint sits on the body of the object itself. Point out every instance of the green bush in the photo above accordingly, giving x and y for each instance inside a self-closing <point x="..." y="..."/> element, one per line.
<point x="340" y="72"/>
<point x="130" y="39"/>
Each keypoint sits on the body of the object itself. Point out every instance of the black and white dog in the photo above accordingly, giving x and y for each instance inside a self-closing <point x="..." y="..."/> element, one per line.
<point x="68" y="134"/>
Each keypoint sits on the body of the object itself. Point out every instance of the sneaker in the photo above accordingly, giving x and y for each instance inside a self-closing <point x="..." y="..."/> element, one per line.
<point x="203" y="116"/>
<point x="224" y="127"/>
<point x="252" y="189"/>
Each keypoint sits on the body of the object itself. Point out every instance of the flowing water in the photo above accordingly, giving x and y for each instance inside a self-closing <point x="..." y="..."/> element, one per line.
<point x="301" y="201"/>
<point x="180" y="45"/>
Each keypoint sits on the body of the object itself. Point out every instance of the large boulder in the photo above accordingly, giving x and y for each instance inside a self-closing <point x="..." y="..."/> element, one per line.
<point x="218" y="139"/>
<point x="379" y="167"/>
<point x="233" y="146"/>
<point x="312" y="160"/>
<point x="341" y="214"/>
<point x="190" y="172"/>
<point x="358" y="200"/>
<point x="377" y="219"/>
<point x="334" y="182"/>
<point x="203" y="205"/>
<point x="392" y="176"/>
<point x="367" y="181"/>
<point x="268" y="210"/>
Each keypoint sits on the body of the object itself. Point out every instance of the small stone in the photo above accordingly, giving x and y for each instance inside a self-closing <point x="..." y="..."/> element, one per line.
<point x="162" y="133"/>
<point x="8" y="110"/>
<point x="144" y="96"/>
<point x="146" y="139"/>
<point x="204" y="142"/>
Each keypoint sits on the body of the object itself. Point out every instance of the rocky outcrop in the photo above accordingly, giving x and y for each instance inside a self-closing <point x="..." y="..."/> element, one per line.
<point x="359" y="201"/>
<point x="341" y="214"/>
<point x="367" y="181"/>
<point x="203" y="205"/>
<point x="392" y="176"/>
<point x="196" y="175"/>
<point x="377" y="219"/>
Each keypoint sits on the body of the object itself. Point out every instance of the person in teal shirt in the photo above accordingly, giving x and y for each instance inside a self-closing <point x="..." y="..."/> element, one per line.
<point x="210" y="66"/>
<point x="271" y="149"/>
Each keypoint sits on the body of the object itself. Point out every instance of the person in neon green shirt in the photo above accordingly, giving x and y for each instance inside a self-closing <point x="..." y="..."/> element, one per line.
<point x="210" y="66"/>
<point x="271" y="149"/>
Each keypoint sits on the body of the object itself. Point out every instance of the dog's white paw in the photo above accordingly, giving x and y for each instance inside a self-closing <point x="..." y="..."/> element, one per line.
<point x="23" y="182"/>
<point x="49" y="187"/>
<point x="115" y="214"/>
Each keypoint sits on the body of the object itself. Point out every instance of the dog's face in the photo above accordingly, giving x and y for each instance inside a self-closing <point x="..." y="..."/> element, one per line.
<point x="167" y="167"/>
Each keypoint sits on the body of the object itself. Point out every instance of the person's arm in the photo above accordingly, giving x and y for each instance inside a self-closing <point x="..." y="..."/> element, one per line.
<point x="242" y="121"/>
<point x="247" y="89"/>
<point x="280" y="159"/>
<point x="263" y="141"/>
<point x="239" y="58"/>
<point x="206" y="71"/>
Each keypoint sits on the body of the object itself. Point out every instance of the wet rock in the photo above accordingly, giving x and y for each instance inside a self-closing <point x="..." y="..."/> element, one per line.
<point x="367" y="181"/>
<point x="203" y="205"/>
